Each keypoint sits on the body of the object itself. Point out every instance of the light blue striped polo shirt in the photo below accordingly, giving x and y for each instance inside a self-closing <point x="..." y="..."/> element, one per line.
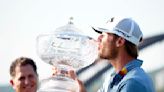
<point x="136" y="80"/>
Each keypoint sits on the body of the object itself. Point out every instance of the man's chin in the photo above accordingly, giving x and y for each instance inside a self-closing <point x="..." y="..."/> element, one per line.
<point x="29" y="90"/>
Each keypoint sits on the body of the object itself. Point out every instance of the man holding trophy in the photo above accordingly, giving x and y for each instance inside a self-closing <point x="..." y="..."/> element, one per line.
<point x="118" y="43"/>
<point x="68" y="49"/>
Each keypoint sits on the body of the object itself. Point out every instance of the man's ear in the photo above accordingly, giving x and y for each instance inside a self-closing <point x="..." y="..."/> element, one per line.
<point x="11" y="82"/>
<point x="120" y="42"/>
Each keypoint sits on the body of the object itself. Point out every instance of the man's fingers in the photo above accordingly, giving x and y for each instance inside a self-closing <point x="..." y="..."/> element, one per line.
<point x="54" y="71"/>
<point x="72" y="74"/>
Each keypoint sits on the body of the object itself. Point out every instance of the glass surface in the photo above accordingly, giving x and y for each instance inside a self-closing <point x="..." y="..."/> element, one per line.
<point x="66" y="48"/>
<point x="58" y="84"/>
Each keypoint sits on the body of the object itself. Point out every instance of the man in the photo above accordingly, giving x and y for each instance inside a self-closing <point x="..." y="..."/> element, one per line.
<point x="118" y="43"/>
<point x="24" y="75"/>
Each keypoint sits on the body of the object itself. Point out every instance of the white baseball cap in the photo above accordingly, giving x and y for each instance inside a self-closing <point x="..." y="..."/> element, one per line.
<point x="126" y="28"/>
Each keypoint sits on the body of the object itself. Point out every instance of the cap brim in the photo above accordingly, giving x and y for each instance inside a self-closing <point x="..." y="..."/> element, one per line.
<point x="96" y="30"/>
<point x="100" y="30"/>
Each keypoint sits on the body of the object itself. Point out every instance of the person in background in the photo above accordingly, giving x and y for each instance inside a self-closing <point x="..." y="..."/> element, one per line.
<point x="24" y="76"/>
<point x="118" y="43"/>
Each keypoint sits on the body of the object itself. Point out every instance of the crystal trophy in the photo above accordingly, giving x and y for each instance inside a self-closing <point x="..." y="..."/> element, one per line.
<point x="66" y="48"/>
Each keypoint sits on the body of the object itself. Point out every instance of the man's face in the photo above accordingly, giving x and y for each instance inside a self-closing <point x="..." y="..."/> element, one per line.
<point x="107" y="46"/>
<point x="25" y="79"/>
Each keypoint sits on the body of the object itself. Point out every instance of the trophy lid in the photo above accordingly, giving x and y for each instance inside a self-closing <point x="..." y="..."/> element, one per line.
<point x="71" y="30"/>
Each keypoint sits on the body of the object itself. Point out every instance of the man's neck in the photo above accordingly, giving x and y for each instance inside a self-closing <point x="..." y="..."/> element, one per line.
<point x="121" y="60"/>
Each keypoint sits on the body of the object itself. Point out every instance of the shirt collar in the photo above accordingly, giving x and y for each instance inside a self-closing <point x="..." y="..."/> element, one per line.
<point x="116" y="77"/>
<point x="129" y="66"/>
<point x="133" y="64"/>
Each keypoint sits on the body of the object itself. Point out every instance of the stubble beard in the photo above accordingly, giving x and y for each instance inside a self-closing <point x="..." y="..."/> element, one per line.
<point x="111" y="54"/>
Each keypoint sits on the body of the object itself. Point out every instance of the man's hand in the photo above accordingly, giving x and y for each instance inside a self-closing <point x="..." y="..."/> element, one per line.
<point x="71" y="74"/>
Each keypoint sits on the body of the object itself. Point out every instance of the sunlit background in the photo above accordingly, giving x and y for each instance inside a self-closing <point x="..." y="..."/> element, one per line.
<point x="21" y="21"/>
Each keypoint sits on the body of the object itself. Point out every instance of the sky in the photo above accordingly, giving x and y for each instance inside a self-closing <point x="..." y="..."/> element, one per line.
<point x="21" y="21"/>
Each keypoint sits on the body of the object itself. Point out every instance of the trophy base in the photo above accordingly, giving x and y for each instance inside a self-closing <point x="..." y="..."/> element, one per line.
<point x="58" y="83"/>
